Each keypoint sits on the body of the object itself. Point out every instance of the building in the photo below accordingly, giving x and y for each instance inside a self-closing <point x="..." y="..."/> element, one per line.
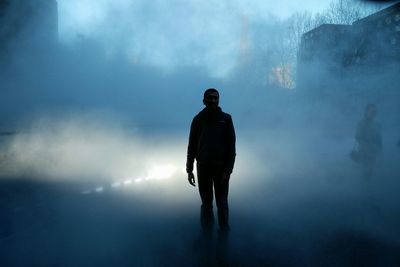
<point x="322" y="54"/>
<point x="377" y="38"/>
<point x="350" y="56"/>
<point x="28" y="23"/>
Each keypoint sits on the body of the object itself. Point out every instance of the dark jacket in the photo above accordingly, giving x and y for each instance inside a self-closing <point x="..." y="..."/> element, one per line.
<point x="212" y="140"/>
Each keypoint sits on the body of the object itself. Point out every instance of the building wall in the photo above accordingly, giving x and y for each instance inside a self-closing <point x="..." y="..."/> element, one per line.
<point x="321" y="54"/>
<point x="341" y="54"/>
<point x="379" y="38"/>
<point x="27" y="22"/>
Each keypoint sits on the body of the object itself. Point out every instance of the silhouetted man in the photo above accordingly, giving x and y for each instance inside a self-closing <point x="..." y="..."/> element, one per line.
<point x="212" y="144"/>
<point x="369" y="139"/>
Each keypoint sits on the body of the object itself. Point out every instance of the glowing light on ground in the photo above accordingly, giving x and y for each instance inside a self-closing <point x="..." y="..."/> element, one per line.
<point x="127" y="182"/>
<point x="116" y="184"/>
<point x="99" y="189"/>
<point x="160" y="172"/>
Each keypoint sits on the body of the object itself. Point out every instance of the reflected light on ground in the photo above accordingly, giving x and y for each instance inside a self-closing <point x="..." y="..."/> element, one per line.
<point x="127" y="182"/>
<point x="159" y="172"/>
<point x="99" y="189"/>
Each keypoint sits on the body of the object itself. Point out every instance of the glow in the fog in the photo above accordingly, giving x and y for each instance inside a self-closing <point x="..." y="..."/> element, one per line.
<point x="159" y="172"/>
<point x="99" y="189"/>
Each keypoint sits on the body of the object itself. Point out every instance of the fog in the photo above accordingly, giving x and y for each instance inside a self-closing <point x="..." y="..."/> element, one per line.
<point x="172" y="34"/>
<point x="94" y="128"/>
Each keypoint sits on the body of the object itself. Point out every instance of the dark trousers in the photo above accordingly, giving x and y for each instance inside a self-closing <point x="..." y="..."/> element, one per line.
<point x="210" y="177"/>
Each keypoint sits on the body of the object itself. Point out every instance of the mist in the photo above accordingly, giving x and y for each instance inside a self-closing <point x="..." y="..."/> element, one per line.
<point x="94" y="128"/>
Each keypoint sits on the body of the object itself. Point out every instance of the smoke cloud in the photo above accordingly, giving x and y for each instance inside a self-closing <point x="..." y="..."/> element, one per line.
<point x="171" y="34"/>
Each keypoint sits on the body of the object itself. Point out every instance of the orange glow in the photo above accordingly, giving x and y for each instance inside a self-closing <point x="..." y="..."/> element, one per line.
<point x="281" y="76"/>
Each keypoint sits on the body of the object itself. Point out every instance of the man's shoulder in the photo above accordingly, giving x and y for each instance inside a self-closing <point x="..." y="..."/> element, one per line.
<point x="197" y="116"/>
<point x="202" y="115"/>
<point x="226" y="116"/>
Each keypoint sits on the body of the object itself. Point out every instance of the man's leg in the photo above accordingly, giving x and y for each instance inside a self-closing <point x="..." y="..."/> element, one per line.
<point x="205" y="183"/>
<point x="221" y="197"/>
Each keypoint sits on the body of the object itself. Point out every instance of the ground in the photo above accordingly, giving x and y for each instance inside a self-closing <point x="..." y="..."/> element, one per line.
<point x="54" y="224"/>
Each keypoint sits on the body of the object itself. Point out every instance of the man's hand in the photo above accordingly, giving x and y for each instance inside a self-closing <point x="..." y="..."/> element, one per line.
<point x="225" y="177"/>
<point x="191" y="179"/>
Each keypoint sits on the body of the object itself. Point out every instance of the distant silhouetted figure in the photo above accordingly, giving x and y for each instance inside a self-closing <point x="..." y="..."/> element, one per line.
<point x="369" y="140"/>
<point x="212" y="144"/>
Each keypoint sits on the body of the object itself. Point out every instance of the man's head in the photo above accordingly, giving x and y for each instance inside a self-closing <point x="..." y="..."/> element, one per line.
<point x="211" y="98"/>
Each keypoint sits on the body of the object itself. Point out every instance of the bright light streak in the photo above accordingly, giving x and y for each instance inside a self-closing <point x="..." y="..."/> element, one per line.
<point x="156" y="173"/>
<point x="161" y="172"/>
<point x="116" y="184"/>
<point x="127" y="182"/>
<point x="99" y="189"/>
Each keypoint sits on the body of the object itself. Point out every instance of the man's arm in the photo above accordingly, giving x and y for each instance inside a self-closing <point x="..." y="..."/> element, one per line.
<point x="231" y="146"/>
<point x="191" y="179"/>
<point x="192" y="151"/>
